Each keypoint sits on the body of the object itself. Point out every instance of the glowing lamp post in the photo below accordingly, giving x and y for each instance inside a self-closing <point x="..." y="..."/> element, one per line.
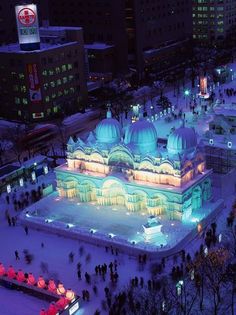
<point x="31" y="279"/>
<point x="41" y="283"/>
<point x="20" y="276"/>
<point x="2" y="270"/>
<point x="11" y="272"/>
<point x="70" y="294"/>
<point x="52" y="286"/>
<point x="199" y="228"/>
<point x="186" y="94"/>
<point x="179" y="287"/>
<point x="60" y="289"/>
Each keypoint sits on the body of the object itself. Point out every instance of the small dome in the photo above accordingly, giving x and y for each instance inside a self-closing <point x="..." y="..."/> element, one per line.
<point x="182" y="140"/>
<point x="108" y="130"/>
<point x="141" y="136"/>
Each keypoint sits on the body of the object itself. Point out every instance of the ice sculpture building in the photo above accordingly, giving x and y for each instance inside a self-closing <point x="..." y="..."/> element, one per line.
<point x="117" y="167"/>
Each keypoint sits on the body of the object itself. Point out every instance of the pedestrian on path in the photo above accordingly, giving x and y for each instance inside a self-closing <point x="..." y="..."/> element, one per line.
<point x="26" y="230"/>
<point x="17" y="255"/>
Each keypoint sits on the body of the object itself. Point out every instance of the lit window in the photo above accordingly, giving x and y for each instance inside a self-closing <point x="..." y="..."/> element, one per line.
<point x="51" y="72"/>
<point x="53" y="95"/>
<point x="58" y="70"/>
<point x="17" y="100"/>
<point x="72" y="90"/>
<point x="52" y="83"/>
<point x="23" y="88"/>
<point x="44" y="72"/>
<point x="66" y="92"/>
<point x="21" y="76"/>
<point x="69" y="66"/>
<point x="45" y="86"/>
<point x="24" y="101"/>
<point x="47" y="99"/>
<point x="59" y="82"/>
<point x="63" y="68"/>
<point x="64" y="79"/>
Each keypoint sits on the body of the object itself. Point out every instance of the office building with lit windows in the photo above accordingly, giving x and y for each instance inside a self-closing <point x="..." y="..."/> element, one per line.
<point x="213" y="20"/>
<point x="145" y="35"/>
<point x="42" y="84"/>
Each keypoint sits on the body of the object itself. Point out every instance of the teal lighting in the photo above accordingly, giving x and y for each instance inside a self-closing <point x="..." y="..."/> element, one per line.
<point x="186" y="92"/>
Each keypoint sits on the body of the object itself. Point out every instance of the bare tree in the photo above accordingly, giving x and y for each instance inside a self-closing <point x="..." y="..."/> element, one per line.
<point x="15" y="135"/>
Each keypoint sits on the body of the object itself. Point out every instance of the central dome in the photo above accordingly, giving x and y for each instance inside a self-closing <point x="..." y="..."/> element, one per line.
<point x="182" y="140"/>
<point x="141" y="136"/>
<point x="108" y="130"/>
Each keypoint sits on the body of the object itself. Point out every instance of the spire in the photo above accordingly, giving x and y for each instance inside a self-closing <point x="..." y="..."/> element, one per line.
<point x="109" y="114"/>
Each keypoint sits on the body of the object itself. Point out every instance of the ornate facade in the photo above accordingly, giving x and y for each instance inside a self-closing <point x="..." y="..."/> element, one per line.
<point x="127" y="167"/>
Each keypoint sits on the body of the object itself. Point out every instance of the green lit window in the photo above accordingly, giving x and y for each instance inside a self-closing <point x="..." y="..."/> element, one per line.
<point x="19" y="112"/>
<point x="45" y="86"/>
<point x="59" y="93"/>
<point x="64" y="80"/>
<point x="55" y="109"/>
<point x="53" y="95"/>
<point x="17" y="100"/>
<point x="21" y="76"/>
<point x="58" y="70"/>
<point x="47" y="99"/>
<point x="72" y="90"/>
<point x="63" y="68"/>
<point x="44" y="72"/>
<point x="69" y="66"/>
<point x="59" y="82"/>
<point x="23" y="88"/>
<point x="24" y="101"/>
<point x="52" y="83"/>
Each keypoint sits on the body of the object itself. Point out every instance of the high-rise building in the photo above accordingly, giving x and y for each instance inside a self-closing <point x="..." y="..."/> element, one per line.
<point x="146" y="35"/>
<point x="39" y="84"/>
<point x="213" y="20"/>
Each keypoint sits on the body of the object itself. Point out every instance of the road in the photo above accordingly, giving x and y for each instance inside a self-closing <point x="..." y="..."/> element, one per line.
<point x="79" y="127"/>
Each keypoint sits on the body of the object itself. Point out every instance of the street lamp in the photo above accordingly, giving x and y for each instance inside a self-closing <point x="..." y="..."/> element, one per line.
<point x="186" y="94"/>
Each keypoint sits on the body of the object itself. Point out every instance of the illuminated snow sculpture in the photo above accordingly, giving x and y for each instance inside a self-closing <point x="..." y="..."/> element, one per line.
<point x="152" y="228"/>
<point x="128" y="167"/>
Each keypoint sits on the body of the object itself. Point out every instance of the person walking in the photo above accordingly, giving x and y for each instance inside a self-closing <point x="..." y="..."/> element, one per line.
<point x="26" y="230"/>
<point x="71" y="257"/>
<point x="17" y="255"/>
